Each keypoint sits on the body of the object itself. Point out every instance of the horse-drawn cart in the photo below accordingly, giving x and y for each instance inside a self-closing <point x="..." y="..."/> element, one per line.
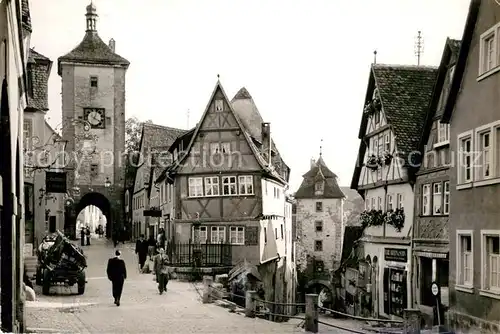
<point x="60" y="262"/>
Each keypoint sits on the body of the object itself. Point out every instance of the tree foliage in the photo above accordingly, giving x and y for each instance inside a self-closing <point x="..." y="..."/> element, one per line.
<point x="133" y="133"/>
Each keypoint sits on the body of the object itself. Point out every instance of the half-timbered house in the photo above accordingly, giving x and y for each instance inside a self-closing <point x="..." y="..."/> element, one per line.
<point x="432" y="195"/>
<point x="155" y="139"/>
<point x="393" y="118"/>
<point x="229" y="186"/>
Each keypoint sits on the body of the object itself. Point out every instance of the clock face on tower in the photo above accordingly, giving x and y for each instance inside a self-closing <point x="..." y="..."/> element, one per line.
<point x="95" y="117"/>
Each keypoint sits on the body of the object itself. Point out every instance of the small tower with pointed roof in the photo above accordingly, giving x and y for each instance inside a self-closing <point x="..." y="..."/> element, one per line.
<point x="93" y="115"/>
<point x="320" y="220"/>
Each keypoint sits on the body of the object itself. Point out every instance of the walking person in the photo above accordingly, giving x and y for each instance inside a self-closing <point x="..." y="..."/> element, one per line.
<point x="115" y="237"/>
<point x="82" y="237"/>
<point x="161" y="268"/>
<point x="87" y="233"/>
<point x="141" y="249"/>
<point x="117" y="274"/>
<point x="151" y="247"/>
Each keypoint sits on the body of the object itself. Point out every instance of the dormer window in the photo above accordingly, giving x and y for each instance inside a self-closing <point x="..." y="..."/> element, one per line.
<point x="319" y="187"/>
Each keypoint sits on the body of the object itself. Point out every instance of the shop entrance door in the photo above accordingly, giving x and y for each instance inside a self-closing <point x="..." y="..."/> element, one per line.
<point x="395" y="291"/>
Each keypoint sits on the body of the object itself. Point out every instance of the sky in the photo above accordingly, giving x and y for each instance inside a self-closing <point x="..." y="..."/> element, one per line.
<point x="305" y="62"/>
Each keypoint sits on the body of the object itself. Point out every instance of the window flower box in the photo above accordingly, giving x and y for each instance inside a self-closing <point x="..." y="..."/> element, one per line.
<point x="395" y="218"/>
<point x="372" y="162"/>
<point x="386" y="158"/>
<point x="372" y="218"/>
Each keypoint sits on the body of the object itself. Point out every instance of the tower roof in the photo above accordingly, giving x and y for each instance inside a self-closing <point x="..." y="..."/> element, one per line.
<point x="92" y="49"/>
<point x="319" y="171"/>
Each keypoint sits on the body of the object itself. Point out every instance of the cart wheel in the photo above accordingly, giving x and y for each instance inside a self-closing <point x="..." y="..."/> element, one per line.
<point x="81" y="284"/>
<point x="39" y="279"/>
<point x="46" y="282"/>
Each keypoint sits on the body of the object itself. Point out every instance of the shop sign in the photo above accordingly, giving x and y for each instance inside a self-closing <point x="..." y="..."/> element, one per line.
<point x="396" y="254"/>
<point x="55" y="182"/>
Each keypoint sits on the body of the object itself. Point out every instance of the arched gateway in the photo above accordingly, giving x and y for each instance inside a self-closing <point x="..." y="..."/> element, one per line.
<point x="93" y="115"/>
<point x="99" y="200"/>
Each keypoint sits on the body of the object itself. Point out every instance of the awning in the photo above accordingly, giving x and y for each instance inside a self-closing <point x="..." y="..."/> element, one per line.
<point x="432" y="252"/>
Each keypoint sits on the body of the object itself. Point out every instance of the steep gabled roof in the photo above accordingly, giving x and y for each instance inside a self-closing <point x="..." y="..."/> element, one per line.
<point x="470" y="25"/>
<point x="25" y="15"/>
<point x="405" y="92"/>
<point x="246" y="109"/>
<point x="331" y="188"/>
<point x="450" y="54"/>
<point x="245" y="132"/>
<point x="155" y="137"/>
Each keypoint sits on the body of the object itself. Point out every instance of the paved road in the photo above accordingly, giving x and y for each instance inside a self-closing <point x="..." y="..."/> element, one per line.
<point x="142" y="308"/>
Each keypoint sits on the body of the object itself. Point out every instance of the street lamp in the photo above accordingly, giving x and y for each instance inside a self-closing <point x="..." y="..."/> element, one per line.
<point x="107" y="184"/>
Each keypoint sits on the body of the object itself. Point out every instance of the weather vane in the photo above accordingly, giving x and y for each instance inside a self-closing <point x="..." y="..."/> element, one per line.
<point x="374" y="56"/>
<point x="419" y="47"/>
<point x="321" y="148"/>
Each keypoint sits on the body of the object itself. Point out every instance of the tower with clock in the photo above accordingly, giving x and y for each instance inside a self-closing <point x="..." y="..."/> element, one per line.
<point x="93" y="114"/>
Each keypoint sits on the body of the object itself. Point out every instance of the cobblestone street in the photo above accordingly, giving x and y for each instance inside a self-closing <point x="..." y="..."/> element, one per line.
<point x="142" y="309"/>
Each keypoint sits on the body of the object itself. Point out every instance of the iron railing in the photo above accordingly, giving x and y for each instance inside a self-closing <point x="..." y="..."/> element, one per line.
<point x="200" y="255"/>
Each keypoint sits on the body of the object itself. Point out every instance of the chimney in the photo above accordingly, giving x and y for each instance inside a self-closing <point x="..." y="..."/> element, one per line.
<point x="313" y="163"/>
<point x="266" y="141"/>
<point x="112" y="44"/>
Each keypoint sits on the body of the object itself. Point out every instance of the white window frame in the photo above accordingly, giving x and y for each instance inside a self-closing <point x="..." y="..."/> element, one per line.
<point x="387" y="142"/>
<point x="461" y="170"/>
<point x="245" y="181"/>
<point x="219" y="105"/>
<point x="446" y="197"/>
<point x="443" y="134"/>
<point x="460" y="261"/>
<point x="194" y="189"/>
<point x="486" y="262"/>
<point x="373" y="203"/>
<point x="380" y="204"/>
<point x="437" y="196"/>
<point x="484" y="154"/>
<point x="389" y="202"/>
<point x="203" y="231"/>
<point x="400" y="201"/>
<point x="212" y="183"/>
<point x="426" y="195"/>
<point x="237" y="232"/>
<point x="489" y="35"/>
<point x="217" y="230"/>
<point x="494" y="156"/>
<point x="226" y="181"/>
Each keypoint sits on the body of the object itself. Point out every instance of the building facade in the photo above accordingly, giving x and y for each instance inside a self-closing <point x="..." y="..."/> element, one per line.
<point x="472" y="112"/>
<point x="15" y="31"/>
<point x="44" y="211"/>
<point x="432" y="195"/>
<point x="154" y="157"/>
<point x="229" y="182"/>
<point x="320" y="222"/>
<point x="395" y="111"/>
<point x="93" y="118"/>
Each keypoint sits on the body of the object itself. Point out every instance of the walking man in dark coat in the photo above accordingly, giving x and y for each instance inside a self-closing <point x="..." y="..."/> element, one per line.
<point x="117" y="274"/>
<point x="82" y="237"/>
<point x="141" y="249"/>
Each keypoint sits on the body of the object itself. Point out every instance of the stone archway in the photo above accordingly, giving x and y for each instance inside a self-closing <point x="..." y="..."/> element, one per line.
<point x="322" y="285"/>
<point x="100" y="201"/>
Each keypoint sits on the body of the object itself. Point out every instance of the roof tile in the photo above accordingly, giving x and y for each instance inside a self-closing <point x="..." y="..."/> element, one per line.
<point x="405" y="92"/>
<point x="331" y="188"/>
